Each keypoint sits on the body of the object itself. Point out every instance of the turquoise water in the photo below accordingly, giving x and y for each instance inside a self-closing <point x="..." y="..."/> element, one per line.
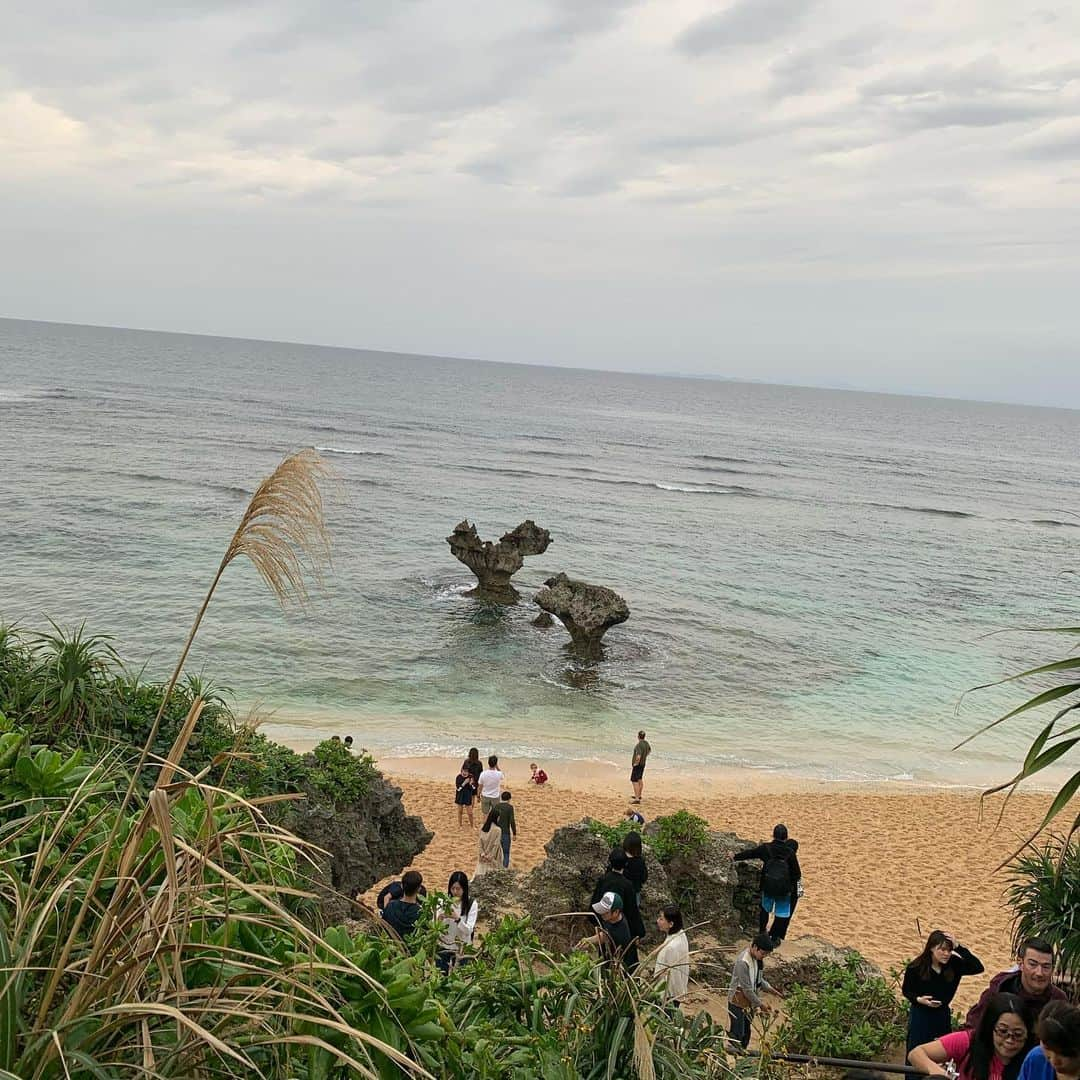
<point x="810" y="573"/>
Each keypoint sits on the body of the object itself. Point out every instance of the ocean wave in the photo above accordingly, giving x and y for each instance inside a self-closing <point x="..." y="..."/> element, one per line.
<point x="712" y="490"/>
<point x="724" y="469"/>
<point x="936" y="511"/>
<point x="1055" y="523"/>
<point x="349" y="450"/>
<point x="727" y="460"/>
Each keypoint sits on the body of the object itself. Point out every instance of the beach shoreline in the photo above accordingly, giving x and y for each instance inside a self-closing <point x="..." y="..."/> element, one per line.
<point x="883" y="864"/>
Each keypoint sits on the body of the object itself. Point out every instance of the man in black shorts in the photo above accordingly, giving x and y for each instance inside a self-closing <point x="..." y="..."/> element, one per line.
<point x="637" y="766"/>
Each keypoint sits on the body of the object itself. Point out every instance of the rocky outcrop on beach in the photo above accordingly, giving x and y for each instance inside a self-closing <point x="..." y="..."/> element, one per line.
<point x="556" y="894"/>
<point x="587" y="611"/>
<point x="495" y="564"/>
<point x="364" y="841"/>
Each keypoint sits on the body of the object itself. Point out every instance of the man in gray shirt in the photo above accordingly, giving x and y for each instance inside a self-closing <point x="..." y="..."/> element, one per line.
<point x="747" y="984"/>
<point x="637" y="765"/>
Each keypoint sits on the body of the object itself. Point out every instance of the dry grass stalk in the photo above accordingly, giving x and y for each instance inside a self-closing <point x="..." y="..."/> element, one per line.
<point x="282" y="527"/>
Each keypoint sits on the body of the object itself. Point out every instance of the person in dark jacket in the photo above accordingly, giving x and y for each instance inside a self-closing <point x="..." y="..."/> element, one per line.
<point x="402" y="914"/>
<point x="780" y="877"/>
<point x="394" y="891"/>
<point x="1031" y="981"/>
<point x="616" y="881"/>
<point x="930" y="983"/>
<point x="636" y="871"/>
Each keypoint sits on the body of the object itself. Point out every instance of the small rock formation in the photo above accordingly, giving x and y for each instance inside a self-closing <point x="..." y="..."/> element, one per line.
<point x="495" y="564"/>
<point x="707" y="885"/>
<point x="800" y="962"/>
<point x="543" y="621"/>
<point x="587" y="611"/>
<point x="365" y="841"/>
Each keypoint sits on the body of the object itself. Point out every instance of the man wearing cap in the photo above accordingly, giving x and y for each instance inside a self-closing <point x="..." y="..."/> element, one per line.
<point x="615" y="880"/>
<point x="613" y="937"/>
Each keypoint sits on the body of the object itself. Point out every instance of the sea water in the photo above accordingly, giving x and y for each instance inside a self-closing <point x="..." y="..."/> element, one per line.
<point x="811" y="574"/>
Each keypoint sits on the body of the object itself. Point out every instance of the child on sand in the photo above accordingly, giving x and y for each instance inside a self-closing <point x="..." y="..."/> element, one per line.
<point x="538" y="775"/>
<point x="634" y="815"/>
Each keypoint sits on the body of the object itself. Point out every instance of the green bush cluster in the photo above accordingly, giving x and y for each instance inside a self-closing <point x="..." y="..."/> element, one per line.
<point x="850" y="1014"/>
<point x="678" y="835"/>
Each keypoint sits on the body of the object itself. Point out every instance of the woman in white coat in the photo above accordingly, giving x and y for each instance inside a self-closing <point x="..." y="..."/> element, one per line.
<point x="673" y="959"/>
<point x="459" y="922"/>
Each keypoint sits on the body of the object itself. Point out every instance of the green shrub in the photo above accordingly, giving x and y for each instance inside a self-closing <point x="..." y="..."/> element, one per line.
<point x="850" y="1014"/>
<point x="1044" y="894"/>
<point x="612" y="835"/>
<point x="679" y="835"/>
<point x="340" y="775"/>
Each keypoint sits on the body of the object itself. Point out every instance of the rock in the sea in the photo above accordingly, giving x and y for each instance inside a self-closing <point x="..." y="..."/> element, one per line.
<point x="587" y="611"/>
<point x="365" y="841"/>
<point x="543" y="621"/>
<point x="495" y="564"/>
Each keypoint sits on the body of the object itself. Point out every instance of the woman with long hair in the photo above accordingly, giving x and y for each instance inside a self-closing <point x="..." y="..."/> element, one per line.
<point x="459" y="922"/>
<point x="930" y="983"/>
<point x="994" y="1051"/>
<point x="673" y="959"/>
<point x="490" y="846"/>
<point x="472" y="763"/>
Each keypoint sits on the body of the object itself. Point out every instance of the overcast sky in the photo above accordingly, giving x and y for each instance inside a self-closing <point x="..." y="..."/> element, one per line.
<point x="816" y="191"/>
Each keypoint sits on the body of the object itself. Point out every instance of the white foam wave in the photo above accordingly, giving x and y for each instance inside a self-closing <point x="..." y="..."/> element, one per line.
<point x="349" y="450"/>
<point x="690" y="488"/>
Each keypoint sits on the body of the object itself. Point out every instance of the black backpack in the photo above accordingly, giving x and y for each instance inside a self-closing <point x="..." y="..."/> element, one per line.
<point x="776" y="875"/>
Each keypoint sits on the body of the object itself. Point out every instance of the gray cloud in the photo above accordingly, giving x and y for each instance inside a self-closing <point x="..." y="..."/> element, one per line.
<point x="745" y="22"/>
<point x="619" y="151"/>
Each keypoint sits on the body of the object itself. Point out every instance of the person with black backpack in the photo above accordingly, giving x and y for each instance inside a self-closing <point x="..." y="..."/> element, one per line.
<point x="780" y="877"/>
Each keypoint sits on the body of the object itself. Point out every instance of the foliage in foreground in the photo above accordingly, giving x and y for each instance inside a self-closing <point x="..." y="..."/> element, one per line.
<point x="1053" y="742"/>
<point x="1044" y="895"/>
<point x="849" y="1014"/>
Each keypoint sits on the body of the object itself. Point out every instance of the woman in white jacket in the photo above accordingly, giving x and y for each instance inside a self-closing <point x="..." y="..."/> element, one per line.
<point x="458" y="923"/>
<point x="673" y="959"/>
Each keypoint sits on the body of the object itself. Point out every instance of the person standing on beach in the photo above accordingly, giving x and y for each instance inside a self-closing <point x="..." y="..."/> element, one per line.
<point x="1031" y="981"/>
<point x="490" y="782"/>
<point x="780" y="877"/>
<point x="489" y="856"/>
<point x="472" y="763"/>
<point x="930" y="984"/>
<point x="504" y="818"/>
<point x="465" y="787"/>
<point x="637" y="765"/>
<point x="747" y="984"/>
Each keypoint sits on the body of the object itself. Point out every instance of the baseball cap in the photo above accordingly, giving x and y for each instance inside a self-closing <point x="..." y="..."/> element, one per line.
<point x="607" y="903"/>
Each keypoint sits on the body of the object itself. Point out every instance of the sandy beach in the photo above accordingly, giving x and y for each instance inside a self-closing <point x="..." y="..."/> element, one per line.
<point x="882" y="867"/>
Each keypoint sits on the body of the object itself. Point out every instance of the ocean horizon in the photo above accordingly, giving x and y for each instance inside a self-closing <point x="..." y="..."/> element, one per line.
<point x="815" y="577"/>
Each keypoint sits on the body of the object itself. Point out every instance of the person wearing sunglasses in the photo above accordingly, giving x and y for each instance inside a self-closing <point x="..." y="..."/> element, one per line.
<point x="1031" y="981"/>
<point x="993" y="1051"/>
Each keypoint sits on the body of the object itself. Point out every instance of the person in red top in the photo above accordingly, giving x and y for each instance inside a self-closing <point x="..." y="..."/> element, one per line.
<point x="994" y="1051"/>
<point x="538" y="775"/>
